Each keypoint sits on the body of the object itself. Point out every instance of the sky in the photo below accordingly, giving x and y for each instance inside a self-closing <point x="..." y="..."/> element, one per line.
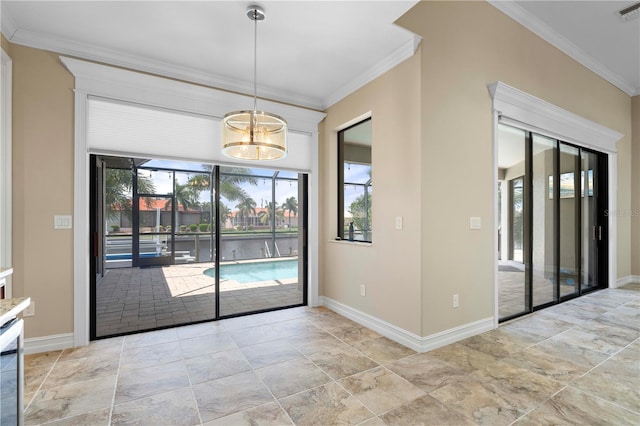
<point x="261" y="192"/>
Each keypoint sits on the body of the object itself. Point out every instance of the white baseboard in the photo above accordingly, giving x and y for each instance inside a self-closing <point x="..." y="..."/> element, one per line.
<point x="629" y="279"/>
<point x="56" y="342"/>
<point x="407" y="338"/>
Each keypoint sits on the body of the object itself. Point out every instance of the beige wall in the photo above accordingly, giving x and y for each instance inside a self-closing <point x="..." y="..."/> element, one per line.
<point x="42" y="187"/>
<point x="390" y="267"/>
<point x="635" y="188"/>
<point x="467" y="45"/>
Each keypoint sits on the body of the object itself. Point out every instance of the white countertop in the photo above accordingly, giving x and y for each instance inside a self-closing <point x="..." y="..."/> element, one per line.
<point x="10" y="308"/>
<point x="5" y="272"/>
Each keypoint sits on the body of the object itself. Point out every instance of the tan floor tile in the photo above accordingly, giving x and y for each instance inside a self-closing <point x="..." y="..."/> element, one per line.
<point x="203" y="345"/>
<point x="315" y="341"/>
<point x="538" y="417"/>
<point x="254" y="335"/>
<point x="70" y="400"/>
<point x="43" y="358"/>
<point x="174" y="408"/>
<point x="425" y="411"/>
<point x="144" y="382"/>
<point x="479" y="402"/>
<point x="79" y="370"/>
<point x="291" y="377"/>
<point x="325" y="405"/>
<point x="269" y="353"/>
<point x="383" y="350"/>
<point x="217" y="365"/>
<point x="541" y="362"/>
<point x="527" y="387"/>
<point x="93" y="418"/>
<point x="571" y="404"/>
<point x="352" y="334"/>
<point x="265" y="415"/>
<point x="111" y="346"/>
<point x="615" y="380"/>
<point x="150" y="338"/>
<point x="222" y="397"/>
<point x="380" y="390"/>
<point x="463" y="357"/>
<point x="426" y="372"/>
<point x="148" y="356"/>
<point x="342" y="362"/>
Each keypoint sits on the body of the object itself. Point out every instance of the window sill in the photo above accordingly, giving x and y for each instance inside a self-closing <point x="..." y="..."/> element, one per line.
<point x="352" y="243"/>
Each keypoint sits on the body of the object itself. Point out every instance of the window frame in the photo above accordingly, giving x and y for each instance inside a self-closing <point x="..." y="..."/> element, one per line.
<point x="340" y="188"/>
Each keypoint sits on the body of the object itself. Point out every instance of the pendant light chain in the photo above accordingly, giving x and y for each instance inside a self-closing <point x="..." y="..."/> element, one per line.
<point x="247" y="135"/>
<point x="255" y="60"/>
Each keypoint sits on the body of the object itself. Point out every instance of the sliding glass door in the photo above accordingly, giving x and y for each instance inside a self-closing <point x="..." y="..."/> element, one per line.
<point x="556" y="225"/>
<point x="189" y="242"/>
<point x="261" y="244"/>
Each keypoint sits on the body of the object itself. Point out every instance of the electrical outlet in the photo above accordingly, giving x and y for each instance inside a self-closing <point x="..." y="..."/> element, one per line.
<point x="30" y="310"/>
<point x="456" y="301"/>
<point x="363" y="290"/>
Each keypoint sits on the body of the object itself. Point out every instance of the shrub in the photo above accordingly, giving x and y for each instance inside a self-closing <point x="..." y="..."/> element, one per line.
<point x="115" y="228"/>
<point x="193" y="227"/>
<point x="204" y="227"/>
<point x="183" y="228"/>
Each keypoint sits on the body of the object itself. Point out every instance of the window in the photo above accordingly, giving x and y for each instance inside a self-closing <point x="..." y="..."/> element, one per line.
<point x="355" y="183"/>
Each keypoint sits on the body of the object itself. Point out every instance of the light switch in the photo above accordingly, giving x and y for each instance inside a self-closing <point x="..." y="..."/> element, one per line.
<point x="62" y="222"/>
<point x="398" y="222"/>
<point x="475" y="222"/>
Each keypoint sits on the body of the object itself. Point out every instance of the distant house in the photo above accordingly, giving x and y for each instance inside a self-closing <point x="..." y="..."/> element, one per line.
<point x="155" y="212"/>
<point x="284" y="220"/>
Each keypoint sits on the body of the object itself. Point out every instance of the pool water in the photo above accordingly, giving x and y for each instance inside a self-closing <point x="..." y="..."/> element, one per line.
<point x="257" y="271"/>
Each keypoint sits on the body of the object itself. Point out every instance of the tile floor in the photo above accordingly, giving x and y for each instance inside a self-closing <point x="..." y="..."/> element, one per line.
<point x="574" y="363"/>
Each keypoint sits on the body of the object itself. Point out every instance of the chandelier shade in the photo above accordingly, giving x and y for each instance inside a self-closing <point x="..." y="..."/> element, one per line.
<point x="254" y="135"/>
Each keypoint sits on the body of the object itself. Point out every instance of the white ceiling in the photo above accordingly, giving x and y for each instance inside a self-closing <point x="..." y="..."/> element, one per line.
<point x="310" y="53"/>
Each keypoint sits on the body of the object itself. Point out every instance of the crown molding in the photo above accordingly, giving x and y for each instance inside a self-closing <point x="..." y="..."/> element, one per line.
<point x="398" y="56"/>
<point x="137" y="63"/>
<point x="544" y="31"/>
<point x="530" y="112"/>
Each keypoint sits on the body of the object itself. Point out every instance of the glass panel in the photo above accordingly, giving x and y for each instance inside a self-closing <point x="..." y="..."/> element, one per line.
<point x="511" y="269"/>
<point x="589" y="219"/>
<point x="155" y="181"/>
<point x="569" y="219"/>
<point x="355" y="194"/>
<point x="155" y="228"/>
<point x="517" y="223"/>
<point x="260" y="240"/>
<point x="193" y="217"/>
<point x="542" y="221"/>
<point x="118" y="201"/>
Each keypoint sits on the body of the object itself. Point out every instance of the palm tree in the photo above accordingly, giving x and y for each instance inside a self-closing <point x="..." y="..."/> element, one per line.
<point x="230" y="180"/>
<point x="271" y="213"/>
<point x="118" y="190"/>
<point x="290" y="204"/>
<point x="246" y="207"/>
<point x="225" y="214"/>
<point x="185" y="196"/>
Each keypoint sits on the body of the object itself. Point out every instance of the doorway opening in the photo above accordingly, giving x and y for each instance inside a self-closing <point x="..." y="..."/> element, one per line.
<point x="552" y="232"/>
<point x="176" y="243"/>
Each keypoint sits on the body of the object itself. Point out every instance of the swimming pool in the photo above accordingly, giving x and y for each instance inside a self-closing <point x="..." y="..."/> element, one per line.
<point x="257" y="271"/>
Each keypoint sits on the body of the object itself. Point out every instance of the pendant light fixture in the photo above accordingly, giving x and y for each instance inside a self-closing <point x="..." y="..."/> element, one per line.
<point x="254" y="135"/>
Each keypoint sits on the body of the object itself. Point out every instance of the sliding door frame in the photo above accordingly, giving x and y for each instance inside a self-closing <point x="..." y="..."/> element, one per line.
<point x="520" y="109"/>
